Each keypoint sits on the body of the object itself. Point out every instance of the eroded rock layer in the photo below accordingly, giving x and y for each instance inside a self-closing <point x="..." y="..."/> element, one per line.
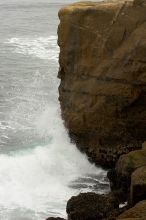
<point x="103" y="76"/>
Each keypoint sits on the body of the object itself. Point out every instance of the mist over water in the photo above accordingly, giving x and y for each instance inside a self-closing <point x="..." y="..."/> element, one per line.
<point x="40" y="169"/>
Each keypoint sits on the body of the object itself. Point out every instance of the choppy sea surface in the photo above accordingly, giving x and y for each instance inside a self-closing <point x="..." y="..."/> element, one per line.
<point x="40" y="169"/>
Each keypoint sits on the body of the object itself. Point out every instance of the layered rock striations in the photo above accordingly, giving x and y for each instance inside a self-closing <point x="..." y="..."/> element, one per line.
<point x="103" y="76"/>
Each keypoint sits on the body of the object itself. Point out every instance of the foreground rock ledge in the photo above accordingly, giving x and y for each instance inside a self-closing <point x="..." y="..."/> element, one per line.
<point x="103" y="76"/>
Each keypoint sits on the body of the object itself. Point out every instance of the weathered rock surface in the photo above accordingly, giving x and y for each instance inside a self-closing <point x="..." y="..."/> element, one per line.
<point x="126" y="165"/>
<point x="128" y="178"/>
<point x="138" y="185"/>
<point x="138" y="212"/>
<point x="90" y="206"/>
<point x="103" y="76"/>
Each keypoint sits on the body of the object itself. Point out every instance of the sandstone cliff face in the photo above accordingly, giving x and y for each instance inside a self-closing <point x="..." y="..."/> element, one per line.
<point x="103" y="76"/>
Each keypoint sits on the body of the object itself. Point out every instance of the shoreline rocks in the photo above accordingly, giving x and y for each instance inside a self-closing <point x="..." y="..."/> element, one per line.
<point x="103" y="101"/>
<point x="138" y="212"/>
<point x="130" y="169"/>
<point x="138" y="185"/>
<point x="129" y="177"/>
<point x="90" y="206"/>
<point x="128" y="185"/>
<point x="103" y="80"/>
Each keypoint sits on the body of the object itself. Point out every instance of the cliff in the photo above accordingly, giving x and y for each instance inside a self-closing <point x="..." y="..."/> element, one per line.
<point x="103" y="76"/>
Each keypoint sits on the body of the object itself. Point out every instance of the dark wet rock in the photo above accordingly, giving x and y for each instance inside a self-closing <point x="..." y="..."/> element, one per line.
<point x="126" y="165"/>
<point x="90" y="206"/>
<point x="112" y="176"/>
<point x="138" y="185"/>
<point x="128" y="179"/>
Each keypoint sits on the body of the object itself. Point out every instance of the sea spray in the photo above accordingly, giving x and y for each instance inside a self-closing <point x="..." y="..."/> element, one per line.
<point x="38" y="179"/>
<point x="40" y="169"/>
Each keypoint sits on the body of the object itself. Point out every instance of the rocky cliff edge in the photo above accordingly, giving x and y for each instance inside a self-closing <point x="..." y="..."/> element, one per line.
<point x="103" y="76"/>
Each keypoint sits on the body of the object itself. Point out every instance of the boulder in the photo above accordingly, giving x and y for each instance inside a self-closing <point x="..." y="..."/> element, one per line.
<point x="138" y="212"/>
<point x="126" y="165"/>
<point x="138" y="185"/>
<point x="130" y="162"/>
<point x="90" y="206"/>
<point x="103" y="76"/>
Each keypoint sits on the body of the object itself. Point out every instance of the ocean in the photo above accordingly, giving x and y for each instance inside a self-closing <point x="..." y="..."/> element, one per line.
<point x="40" y="169"/>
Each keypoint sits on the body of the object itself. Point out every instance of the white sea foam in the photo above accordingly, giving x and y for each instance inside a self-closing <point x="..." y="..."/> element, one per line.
<point x="123" y="205"/>
<point x="38" y="179"/>
<point x="36" y="182"/>
<point x="40" y="47"/>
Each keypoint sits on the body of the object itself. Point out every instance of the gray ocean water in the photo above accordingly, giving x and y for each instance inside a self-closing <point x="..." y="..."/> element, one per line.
<point x="39" y="168"/>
